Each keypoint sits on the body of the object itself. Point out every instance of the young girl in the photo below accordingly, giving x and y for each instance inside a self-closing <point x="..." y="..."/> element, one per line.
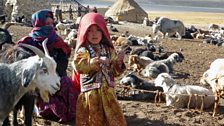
<point x="62" y="105"/>
<point x="97" y="63"/>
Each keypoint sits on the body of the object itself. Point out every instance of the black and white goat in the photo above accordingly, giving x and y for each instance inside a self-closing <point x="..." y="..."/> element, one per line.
<point x="25" y="75"/>
<point x="135" y="82"/>
<point x="10" y="53"/>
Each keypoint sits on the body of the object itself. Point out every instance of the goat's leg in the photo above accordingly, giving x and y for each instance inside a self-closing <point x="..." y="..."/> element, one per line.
<point x="6" y="122"/>
<point x="15" y="110"/>
<point x="28" y="107"/>
<point x="216" y="104"/>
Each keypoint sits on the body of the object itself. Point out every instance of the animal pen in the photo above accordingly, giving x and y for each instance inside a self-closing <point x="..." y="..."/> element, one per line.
<point x="64" y="6"/>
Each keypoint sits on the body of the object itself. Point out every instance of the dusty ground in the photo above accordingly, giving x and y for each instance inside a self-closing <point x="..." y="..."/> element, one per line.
<point x="198" y="57"/>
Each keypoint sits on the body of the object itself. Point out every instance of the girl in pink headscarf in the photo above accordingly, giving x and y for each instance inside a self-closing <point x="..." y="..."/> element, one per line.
<point x="97" y="63"/>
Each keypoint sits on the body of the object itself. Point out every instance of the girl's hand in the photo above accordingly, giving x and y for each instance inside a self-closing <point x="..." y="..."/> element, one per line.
<point x="120" y="55"/>
<point x="96" y="62"/>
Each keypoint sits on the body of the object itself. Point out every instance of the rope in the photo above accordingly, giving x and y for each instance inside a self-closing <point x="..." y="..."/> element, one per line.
<point x="158" y="93"/>
<point x="142" y="90"/>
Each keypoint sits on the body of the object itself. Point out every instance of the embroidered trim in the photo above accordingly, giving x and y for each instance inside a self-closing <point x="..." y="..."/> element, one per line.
<point x="103" y="72"/>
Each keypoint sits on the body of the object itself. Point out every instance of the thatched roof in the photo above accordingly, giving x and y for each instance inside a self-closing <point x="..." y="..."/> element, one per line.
<point x="123" y="7"/>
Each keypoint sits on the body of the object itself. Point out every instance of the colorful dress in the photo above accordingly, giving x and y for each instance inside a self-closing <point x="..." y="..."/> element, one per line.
<point x="62" y="105"/>
<point x="97" y="105"/>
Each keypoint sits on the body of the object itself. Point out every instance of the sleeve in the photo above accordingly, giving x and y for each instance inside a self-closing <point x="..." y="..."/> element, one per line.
<point x="117" y="67"/>
<point x="61" y="53"/>
<point x="61" y="60"/>
<point x="82" y="63"/>
<point x="62" y="45"/>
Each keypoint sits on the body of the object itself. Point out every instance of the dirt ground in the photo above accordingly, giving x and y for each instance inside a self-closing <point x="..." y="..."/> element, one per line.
<point x="198" y="57"/>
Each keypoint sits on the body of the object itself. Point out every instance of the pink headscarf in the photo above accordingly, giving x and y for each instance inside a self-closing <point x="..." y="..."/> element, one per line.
<point x="92" y="19"/>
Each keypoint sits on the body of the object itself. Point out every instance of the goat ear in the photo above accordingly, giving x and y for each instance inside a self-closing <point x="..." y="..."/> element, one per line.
<point x="27" y="76"/>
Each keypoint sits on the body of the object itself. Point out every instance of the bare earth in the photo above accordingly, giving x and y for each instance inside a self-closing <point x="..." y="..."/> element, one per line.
<point x="198" y="57"/>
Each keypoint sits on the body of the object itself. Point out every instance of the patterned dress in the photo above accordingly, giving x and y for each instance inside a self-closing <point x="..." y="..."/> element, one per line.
<point x="97" y="105"/>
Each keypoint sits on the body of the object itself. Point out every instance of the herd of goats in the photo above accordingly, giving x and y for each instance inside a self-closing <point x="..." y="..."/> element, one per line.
<point x="20" y="72"/>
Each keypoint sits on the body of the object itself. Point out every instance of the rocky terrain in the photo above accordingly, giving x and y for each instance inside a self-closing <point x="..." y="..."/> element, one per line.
<point x="198" y="57"/>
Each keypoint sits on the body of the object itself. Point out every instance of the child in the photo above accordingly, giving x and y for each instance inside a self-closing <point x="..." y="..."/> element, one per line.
<point x="97" y="63"/>
<point x="62" y="105"/>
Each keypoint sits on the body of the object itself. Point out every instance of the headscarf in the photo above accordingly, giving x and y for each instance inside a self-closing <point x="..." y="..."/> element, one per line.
<point x="41" y="31"/>
<point x="92" y="19"/>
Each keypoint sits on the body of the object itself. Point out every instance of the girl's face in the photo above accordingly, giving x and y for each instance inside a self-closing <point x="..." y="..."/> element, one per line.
<point x="94" y="34"/>
<point x="50" y="21"/>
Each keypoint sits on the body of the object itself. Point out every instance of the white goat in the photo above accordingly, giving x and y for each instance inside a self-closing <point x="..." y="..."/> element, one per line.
<point x="178" y="95"/>
<point x="25" y="75"/>
<point x="214" y="76"/>
<point x="71" y="38"/>
<point x="64" y="28"/>
<point x="162" y="66"/>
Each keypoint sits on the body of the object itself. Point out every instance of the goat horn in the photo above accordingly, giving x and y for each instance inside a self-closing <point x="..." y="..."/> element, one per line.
<point x="44" y="44"/>
<point x="34" y="49"/>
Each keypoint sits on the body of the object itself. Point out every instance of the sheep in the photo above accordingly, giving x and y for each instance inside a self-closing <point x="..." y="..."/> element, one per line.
<point x="127" y="48"/>
<point x="213" y="27"/>
<point x="113" y="29"/>
<point x="178" y="95"/>
<point x="121" y="41"/>
<point x="71" y="38"/>
<point x="5" y="37"/>
<point x="214" y="76"/>
<point x="131" y="40"/>
<point x="162" y="66"/>
<point x="215" y="72"/>
<point x="61" y="27"/>
<point x="135" y="82"/>
<point x="138" y="62"/>
<point x="169" y="27"/>
<point x="25" y="75"/>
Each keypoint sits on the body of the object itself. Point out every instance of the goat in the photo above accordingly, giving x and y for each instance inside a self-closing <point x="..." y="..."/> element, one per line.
<point x="5" y="37"/>
<point x="213" y="27"/>
<point x="138" y="62"/>
<point x="10" y="55"/>
<point x="162" y="66"/>
<point x="71" y="38"/>
<point x="25" y="75"/>
<point x="214" y="76"/>
<point x="61" y="27"/>
<point x="178" y="95"/>
<point x="136" y="82"/>
<point x="169" y="27"/>
<point x="121" y="41"/>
